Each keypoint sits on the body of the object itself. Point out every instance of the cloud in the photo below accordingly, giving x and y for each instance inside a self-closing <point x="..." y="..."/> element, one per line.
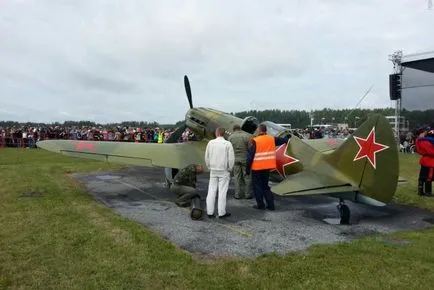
<point x="90" y="81"/>
<point x="112" y="61"/>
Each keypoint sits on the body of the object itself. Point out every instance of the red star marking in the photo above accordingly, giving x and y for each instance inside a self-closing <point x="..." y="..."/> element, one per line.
<point x="83" y="145"/>
<point x="332" y="142"/>
<point x="369" y="148"/>
<point x="283" y="159"/>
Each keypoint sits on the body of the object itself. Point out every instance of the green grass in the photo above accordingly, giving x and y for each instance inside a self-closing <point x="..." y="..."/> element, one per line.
<point x="65" y="240"/>
<point x="406" y="194"/>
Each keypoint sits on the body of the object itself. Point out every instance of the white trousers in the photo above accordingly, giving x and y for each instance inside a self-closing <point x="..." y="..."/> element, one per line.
<point x="218" y="180"/>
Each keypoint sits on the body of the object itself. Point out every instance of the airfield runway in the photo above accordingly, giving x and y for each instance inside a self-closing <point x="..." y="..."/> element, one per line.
<point x="138" y="193"/>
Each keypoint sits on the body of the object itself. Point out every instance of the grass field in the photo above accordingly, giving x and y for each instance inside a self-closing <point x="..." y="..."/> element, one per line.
<point x="65" y="240"/>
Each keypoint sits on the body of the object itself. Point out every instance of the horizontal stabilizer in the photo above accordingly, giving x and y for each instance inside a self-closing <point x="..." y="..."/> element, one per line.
<point x="309" y="182"/>
<point x="324" y="145"/>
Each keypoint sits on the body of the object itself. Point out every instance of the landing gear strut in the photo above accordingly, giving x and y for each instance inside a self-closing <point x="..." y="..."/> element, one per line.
<point x="167" y="183"/>
<point x="344" y="212"/>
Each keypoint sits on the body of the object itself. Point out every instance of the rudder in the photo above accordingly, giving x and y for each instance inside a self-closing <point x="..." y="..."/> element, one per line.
<point x="369" y="159"/>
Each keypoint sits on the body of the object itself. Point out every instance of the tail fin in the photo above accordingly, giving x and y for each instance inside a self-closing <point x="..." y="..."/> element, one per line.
<point x="369" y="159"/>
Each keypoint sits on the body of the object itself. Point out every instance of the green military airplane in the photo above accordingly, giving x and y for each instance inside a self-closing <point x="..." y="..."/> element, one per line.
<point x="362" y="168"/>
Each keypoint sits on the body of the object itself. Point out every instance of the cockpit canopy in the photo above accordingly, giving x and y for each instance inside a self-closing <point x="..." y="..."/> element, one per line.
<point x="276" y="130"/>
<point x="250" y="124"/>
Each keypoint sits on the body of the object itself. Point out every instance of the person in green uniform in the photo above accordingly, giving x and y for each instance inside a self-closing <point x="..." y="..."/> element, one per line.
<point x="184" y="184"/>
<point x="240" y="143"/>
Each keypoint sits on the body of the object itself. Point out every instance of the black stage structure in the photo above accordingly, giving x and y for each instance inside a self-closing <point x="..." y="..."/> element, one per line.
<point x="411" y="85"/>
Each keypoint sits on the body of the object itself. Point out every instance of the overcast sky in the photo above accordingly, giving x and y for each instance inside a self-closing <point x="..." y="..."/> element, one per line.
<point x="125" y="60"/>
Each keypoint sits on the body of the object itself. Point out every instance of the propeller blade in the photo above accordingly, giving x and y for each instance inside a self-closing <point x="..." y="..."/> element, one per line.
<point x="188" y="91"/>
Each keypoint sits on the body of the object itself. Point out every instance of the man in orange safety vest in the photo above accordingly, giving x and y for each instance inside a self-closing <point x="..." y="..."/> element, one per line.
<point x="260" y="160"/>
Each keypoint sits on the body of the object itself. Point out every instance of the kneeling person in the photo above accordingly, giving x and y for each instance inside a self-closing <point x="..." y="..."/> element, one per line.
<point x="184" y="184"/>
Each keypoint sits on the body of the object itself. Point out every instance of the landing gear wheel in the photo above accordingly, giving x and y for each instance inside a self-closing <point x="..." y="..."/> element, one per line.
<point x="344" y="212"/>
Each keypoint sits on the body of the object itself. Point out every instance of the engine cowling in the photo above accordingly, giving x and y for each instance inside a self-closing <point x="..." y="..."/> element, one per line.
<point x="195" y="121"/>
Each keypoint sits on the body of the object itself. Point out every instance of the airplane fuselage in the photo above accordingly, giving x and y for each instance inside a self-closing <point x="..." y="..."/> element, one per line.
<point x="204" y="122"/>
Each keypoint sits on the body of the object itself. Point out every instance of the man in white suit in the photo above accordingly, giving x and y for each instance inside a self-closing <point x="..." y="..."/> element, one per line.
<point x="220" y="159"/>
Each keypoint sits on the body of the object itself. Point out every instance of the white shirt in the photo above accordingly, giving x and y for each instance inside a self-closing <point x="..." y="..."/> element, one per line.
<point x="219" y="155"/>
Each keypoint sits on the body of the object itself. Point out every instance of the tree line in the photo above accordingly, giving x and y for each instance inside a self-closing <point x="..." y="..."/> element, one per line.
<point x="297" y="118"/>
<point x="301" y="119"/>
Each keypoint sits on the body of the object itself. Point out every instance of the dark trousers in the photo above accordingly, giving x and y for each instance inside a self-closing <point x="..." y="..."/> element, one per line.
<point x="261" y="189"/>
<point x="425" y="180"/>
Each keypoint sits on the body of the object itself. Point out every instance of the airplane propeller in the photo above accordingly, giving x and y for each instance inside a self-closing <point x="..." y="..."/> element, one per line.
<point x="188" y="91"/>
<point x="174" y="137"/>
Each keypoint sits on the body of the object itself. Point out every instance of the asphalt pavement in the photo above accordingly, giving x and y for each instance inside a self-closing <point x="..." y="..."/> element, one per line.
<point x="139" y="193"/>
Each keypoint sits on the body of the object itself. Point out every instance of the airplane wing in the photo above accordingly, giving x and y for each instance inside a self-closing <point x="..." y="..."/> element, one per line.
<point x="324" y="145"/>
<point x="309" y="183"/>
<point x="174" y="155"/>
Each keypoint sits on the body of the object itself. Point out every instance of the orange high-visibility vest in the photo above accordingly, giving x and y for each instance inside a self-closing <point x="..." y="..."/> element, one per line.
<point x="265" y="156"/>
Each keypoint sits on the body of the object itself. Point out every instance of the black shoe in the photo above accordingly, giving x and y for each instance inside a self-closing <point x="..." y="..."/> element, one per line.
<point x="428" y="187"/>
<point x="225" y="215"/>
<point x="248" y="197"/>
<point x="257" y="207"/>
<point x="271" y="208"/>
<point x="211" y="216"/>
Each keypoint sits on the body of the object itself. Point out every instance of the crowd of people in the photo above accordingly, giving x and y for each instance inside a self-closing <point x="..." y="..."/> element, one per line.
<point x="23" y="136"/>
<point x="319" y="133"/>
<point x="26" y="136"/>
